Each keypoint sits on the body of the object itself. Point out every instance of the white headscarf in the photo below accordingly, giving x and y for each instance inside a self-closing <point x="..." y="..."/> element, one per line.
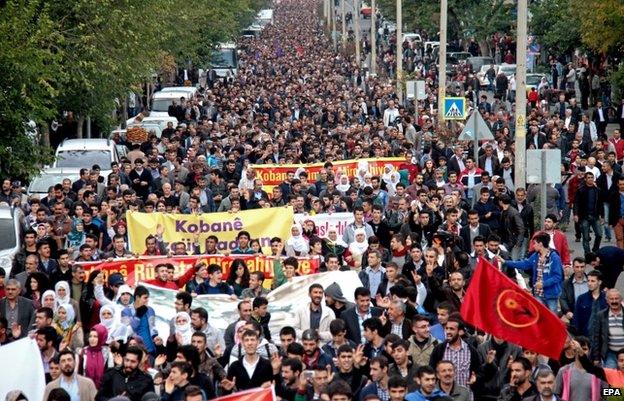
<point x="338" y="240"/>
<point x="70" y="315"/>
<point x="344" y="184"/>
<point x="116" y="331"/>
<point x="184" y="330"/>
<point x="49" y="293"/>
<point x="358" y="248"/>
<point x="298" y="242"/>
<point x="391" y="177"/>
<point x="62" y="300"/>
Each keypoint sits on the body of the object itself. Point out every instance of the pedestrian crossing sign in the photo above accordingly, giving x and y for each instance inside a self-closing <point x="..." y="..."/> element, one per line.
<point x="454" y="108"/>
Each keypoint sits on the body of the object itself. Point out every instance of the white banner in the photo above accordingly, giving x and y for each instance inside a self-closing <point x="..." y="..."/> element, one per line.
<point x="21" y="368"/>
<point x="324" y="220"/>
<point x="283" y="301"/>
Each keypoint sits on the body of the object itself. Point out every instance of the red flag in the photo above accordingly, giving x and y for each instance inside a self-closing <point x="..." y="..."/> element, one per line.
<point x="499" y="306"/>
<point x="255" y="394"/>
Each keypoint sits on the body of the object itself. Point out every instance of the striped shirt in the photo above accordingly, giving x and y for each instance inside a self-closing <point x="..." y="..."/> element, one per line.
<point x="616" y="331"/>
<point x="461" y="359"/>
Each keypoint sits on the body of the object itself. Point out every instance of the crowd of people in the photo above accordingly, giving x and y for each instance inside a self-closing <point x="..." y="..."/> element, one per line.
<point x="417" y="234"/>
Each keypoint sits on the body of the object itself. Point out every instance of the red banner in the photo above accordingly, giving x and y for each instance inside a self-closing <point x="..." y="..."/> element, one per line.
<point x="142" y="269"/>
<point x="256" y="394"/>
<point x="276" y="174"/>
<point x="499" y="306"/>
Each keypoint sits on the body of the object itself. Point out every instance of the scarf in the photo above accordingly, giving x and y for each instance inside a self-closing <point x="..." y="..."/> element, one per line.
<point x="62" y="300"/>
<point x="111" y="324"/>
<point x="49" y="293"/>
<point x="76" y="237"/>
<point x="70" y="315"/>
<point x="95" y="363"/>
<point x="358" y="248"/>
<point x="335" y="242"/>
<point x="184" y="330"/>
<point x="298" y="242"/>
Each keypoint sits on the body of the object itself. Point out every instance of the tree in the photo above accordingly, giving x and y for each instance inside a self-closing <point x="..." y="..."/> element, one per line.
<point x="28" y="66"/>
<point x="602" y="25"/>
<point x="556" y="23"/>
<point x="477" y="19"/>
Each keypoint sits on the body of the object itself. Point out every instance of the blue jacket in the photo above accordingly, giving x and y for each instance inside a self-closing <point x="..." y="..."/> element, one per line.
<point x="144" y="326"/>
<point x="583" y="320"/>
<point x="418" y="396"/>
<point x="552" y="275"/>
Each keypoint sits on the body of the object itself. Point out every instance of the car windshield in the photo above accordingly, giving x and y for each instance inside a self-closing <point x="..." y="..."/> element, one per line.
<point x="161" y="104"/>
<point x="81" y="158"/>
<point x="533" y="79"/>
<point x="45" y="181"/>
<point x="7" y="234"/>
<point x="224" y="58"/>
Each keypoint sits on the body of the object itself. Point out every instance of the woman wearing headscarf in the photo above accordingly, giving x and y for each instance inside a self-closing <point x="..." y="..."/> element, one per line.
<point x="48" y="299"/>
<point x="110" y="318"/>
<point x="89" y="305"/>
<point x="63" y="297"/>
<point x="183" y="329"/>
<point x="391" y="178"/>
<point x="96" y="357"/>
<point x="333" y="243"/>
<point x="297" y="245"/>
<point x="66" y="326"/>
<point x="77" y="235"/>
<point x="343" y="184"/>
<point x="356" y="249"/>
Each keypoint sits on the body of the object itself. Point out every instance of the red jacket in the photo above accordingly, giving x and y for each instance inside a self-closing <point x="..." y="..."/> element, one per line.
<point x="176" y="284"/>
<point x="561" y="246"/>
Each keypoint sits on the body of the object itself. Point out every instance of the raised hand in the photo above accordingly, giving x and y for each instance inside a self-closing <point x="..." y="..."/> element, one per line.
<point x="228" y="385"/>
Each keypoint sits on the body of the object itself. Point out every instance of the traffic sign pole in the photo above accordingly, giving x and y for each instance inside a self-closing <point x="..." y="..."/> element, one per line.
<point x="521" y="100"/>
<point x="442" y="61"/>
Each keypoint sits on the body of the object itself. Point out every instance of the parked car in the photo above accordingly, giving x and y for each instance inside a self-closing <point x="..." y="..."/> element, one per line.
<point x="477" y="62"/>
<point x="533" y="81"/>
<point x="48" y="178"/>
<point x="162" y="100"/>
<point x="10" y="236"/>
<point x="412" y="37"/>
<point x="508" y="69"/>
<point x="482" y="74"/>
<point x="74" y="154"/>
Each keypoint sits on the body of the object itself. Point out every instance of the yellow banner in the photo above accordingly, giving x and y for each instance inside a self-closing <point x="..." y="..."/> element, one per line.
<point x="262" y="224"/>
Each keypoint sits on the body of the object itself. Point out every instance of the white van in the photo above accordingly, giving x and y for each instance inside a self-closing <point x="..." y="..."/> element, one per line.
<point x="162" y="100"/>
<point x="224" y="60"/>
<point x="10" y="236"/>
<point x="191" y="91"/>
<point x="74" y="154"/>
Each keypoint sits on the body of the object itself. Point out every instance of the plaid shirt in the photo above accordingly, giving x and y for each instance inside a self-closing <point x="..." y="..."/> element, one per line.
<point x="541" y="266"/>
<point x="461" y="359"/>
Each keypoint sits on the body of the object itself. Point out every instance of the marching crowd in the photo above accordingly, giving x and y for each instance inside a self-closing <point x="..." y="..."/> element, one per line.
<point x="417" y="234"/>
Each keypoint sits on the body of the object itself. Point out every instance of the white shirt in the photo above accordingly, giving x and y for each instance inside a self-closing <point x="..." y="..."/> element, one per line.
<point x="250" y="367"/>
<point x="389" y="116"/>
<point x="600" y="115"/>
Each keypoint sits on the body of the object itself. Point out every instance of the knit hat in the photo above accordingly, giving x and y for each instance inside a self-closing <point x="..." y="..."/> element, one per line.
<point x="335" y="292"/>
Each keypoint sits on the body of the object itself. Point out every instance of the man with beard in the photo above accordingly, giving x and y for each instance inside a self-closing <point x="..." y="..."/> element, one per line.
<point x="127" y="379"/>
<point x="545" y="384"/>
<point x="315" y="316"/>
<point x="496" y="354"/>
<point x="46" y="337"/>
<point x="313" y="356"/>
<point x="445" y="372"/>
<point x="379" y="378"/>
<point x="456" y="350"/>
<point x="519" y="386"/>
<point x="78" y="387"/>
<point x="286" y="388"/>
<point x="426" y="380"/>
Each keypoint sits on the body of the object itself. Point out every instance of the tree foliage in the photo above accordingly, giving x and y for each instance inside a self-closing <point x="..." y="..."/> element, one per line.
<point x="557" y="25"/>
<point x="602" y="24"/>
<point x="81" y="55"/>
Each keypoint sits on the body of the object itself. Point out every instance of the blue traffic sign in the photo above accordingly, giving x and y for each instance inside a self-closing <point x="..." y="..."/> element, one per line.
<point x="454" y="108"/>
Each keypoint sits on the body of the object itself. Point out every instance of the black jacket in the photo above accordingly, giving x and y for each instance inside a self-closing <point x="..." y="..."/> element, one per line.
<point x="483" y="230"/>
<point x="581" y="202"/>
<point x="615" y="202"/>
<point x="566" y="299"/>
<point x="263" y="373"/>
<point x="511" y="227"/>
<point x="350" y="318"/>
<point x="115" y="383"/>
<point x="600" y="336"/>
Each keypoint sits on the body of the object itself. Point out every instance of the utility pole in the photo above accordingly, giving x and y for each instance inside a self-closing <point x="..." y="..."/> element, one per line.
<point x="399" y="49"/>
<point x="356" y="12"/>
<point x="333" y="23"/>
<point x="344" y="26"/>
<point x="521" y="100"/>
<point x="442" y="61"/>
<point x="373" y="66"/>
